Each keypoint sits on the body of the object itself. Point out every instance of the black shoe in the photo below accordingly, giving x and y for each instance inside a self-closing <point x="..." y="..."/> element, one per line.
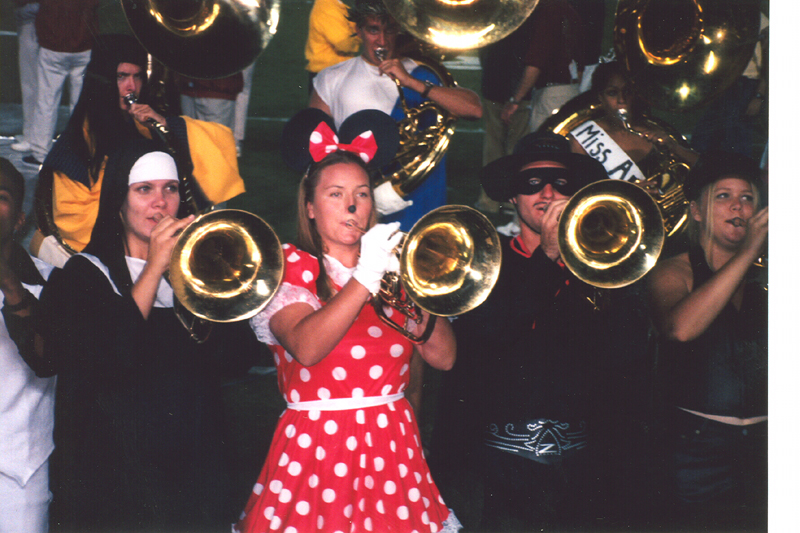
<point x="30" y="160"/>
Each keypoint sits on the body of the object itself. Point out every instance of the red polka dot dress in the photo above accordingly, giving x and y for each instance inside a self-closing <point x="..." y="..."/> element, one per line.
<point x="346" y="455"/>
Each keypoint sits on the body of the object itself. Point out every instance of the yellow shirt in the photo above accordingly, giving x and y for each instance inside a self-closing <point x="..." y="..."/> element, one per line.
<point x="331" y="37"/>
<point x="216" y="170"/>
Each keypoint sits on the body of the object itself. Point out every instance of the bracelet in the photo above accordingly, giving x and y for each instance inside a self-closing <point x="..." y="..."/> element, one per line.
<point x="27" y="299"/>
<point x="759" y="96"/>
<point x="428" y="86"/>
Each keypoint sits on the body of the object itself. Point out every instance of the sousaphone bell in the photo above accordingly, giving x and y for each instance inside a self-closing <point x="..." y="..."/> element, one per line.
<point x="203" y="38"/>
<point x="460" y="24"/>
<point x="682" y="53"/>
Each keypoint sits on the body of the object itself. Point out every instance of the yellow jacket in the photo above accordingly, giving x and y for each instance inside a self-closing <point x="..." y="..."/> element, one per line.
<point x="216" y="170"/>
<point x="331" y="37"/>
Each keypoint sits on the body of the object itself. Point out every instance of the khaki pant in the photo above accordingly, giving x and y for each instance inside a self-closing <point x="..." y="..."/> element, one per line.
<point x="499" y="139"/>
<point x="548" y="100"/>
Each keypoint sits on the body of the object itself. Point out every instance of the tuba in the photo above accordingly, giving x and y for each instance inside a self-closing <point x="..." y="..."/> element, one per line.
<point x="669" y="176"/>
<point x="449" y="263"/>
<point x="610" y="233"/>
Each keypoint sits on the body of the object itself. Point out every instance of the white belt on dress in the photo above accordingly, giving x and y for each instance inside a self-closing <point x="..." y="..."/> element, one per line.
<point x="344" y="404"/>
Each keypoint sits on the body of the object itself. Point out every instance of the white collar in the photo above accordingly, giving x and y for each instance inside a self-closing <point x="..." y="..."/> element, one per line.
<point x="164" y="293"/>
<point x="338" y="273"/>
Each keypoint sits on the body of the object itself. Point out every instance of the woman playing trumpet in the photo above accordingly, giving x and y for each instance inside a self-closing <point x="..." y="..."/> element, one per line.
<point x="138" y="423"/>
<point x="346" y="454"/>
<point x="709" y="308"/>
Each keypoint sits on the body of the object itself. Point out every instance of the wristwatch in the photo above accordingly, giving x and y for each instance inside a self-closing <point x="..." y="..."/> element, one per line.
<point x="428" y="86"/>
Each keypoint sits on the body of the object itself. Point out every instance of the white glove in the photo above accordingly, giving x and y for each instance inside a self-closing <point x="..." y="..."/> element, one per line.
<point x="377" y="255"/>
<point x="387" y="201"/>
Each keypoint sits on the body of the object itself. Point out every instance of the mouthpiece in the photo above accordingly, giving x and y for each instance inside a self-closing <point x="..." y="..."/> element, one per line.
<point x="130" y="99"/>
<point x="352" y="224"/>
<point x="623" y="117"/>
<point x="381" y="53"/>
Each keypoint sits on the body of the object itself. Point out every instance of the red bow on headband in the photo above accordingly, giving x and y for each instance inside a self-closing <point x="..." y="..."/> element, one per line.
<point x="323" y="142"/>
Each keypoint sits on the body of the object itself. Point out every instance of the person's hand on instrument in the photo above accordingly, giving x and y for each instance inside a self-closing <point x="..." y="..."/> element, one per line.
<point x="143" y="112"/>
<point x="377" y="255"/>
<point x="757" y="231"/>
<point x="394" y="69"/>
<point x="162" y="240"/>
<point x="549" y="241"/>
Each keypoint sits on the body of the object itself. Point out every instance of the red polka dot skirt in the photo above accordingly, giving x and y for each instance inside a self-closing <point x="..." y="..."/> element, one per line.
<point x="337" y="462"/>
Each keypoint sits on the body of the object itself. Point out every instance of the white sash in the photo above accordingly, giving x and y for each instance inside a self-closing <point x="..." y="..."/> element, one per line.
<point x="603" y="148"/>
<point x="344" y="404"/>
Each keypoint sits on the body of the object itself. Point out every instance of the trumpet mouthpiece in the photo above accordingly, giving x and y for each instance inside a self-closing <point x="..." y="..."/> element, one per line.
<point x="352" y="224"/>
<point x="623" y="117"/>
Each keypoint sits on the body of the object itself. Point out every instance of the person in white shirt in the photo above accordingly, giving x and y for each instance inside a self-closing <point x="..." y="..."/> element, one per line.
<point x="26" y="400"/>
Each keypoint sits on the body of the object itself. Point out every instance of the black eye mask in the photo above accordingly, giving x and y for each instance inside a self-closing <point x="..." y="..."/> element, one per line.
<point x="525" y="182"/>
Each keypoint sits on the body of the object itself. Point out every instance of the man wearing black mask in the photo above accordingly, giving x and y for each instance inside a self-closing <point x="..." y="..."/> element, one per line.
<point x="520" y="401"/>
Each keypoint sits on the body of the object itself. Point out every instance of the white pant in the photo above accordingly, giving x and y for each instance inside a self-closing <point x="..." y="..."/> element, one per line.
<point x="25" y="509"/>
<point x="549" y="99"/>
<point x="242" y="102"/>
<point x="216" y="110"/>
<point x="54" y="68"/>
<point x="28" y="60"/>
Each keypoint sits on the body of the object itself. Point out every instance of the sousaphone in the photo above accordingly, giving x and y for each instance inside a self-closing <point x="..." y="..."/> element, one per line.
<point x="670" y="172"/>
<point x="425" y="134"/>
<point x="203" y="38"/>
<point x="438" y="25"/>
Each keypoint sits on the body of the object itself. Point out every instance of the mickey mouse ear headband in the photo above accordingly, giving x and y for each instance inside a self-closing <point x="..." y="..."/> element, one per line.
<point x="310" y="135"/>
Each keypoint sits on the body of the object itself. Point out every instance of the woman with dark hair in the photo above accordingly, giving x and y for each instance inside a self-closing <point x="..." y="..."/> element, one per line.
<point x="138" y="408"/>
<point x="112" y="109"/>
<point x="709" y="307"/>
<point x="624" y="153"/>
<point x="346" y="454"/>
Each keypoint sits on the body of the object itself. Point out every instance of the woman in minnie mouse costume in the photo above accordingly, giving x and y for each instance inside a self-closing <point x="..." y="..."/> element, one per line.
<point x="346" y="454"/>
